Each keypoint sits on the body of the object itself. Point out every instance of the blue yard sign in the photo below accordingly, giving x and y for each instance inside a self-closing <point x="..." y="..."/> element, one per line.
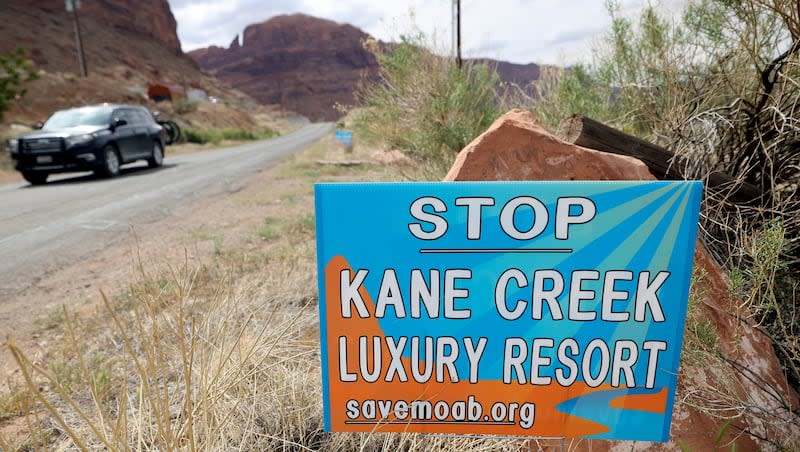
<point x="508" y="308"/>
<point x="343" y="136"/>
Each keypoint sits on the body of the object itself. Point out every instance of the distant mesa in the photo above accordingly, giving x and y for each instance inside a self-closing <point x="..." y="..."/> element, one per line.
<point x="307" y="64"/>
<point x="303" y="63"/>
<point x="234" y="44"/>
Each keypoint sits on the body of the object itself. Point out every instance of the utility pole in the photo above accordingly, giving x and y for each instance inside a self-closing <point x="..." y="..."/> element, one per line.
<point x="72" y="7"/>
<point x="457" y="31"/>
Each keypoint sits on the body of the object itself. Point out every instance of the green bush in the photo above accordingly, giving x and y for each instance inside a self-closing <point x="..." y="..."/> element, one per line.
<point x="216" y="136"/>
<point x="15" y="71"/>
<point x="639" y="79"/>
<point x="426" y="106"/>
<point x="184" y="106"/>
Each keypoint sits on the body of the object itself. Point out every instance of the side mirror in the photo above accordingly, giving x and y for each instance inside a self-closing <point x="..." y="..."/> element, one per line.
<point x="118" y="122"/>
<point x="38" y="126"/>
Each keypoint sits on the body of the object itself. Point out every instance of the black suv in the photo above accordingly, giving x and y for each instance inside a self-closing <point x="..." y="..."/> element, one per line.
<point x="97" y="138"/>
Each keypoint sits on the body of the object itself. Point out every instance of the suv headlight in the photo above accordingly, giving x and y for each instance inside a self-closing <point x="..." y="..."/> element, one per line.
<point x="12" y="145"/>
<point x="79" y="139"/>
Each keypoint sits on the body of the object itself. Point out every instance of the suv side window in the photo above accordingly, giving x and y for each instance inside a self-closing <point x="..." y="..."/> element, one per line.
<point x="146" y="117"/>
<point x="133" y="117"/>
<point x="122" y="114"/>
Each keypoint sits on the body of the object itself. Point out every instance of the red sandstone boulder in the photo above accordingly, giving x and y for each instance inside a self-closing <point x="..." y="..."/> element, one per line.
<point x="517" y="147"/>
<point x="741" y="380"/>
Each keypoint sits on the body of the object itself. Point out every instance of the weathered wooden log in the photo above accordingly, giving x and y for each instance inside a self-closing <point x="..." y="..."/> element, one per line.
<point x="587" y="132"/>
<point x="341" y="162"/>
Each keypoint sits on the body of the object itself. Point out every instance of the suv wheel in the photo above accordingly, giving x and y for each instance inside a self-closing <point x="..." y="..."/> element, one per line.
<point x="35" y="178"/>
<point x="110" y="161"/>
<point x="158" y="156"/>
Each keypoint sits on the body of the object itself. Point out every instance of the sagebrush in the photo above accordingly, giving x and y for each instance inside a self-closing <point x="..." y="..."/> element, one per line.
<point x="718" y="86"/>
<point x="425" y="105"/>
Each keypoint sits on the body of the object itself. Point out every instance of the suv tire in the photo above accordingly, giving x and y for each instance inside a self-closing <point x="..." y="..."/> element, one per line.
<point x="110" y="162"/>
<point x="157" y="158"/>
<point x="35" y="178"/>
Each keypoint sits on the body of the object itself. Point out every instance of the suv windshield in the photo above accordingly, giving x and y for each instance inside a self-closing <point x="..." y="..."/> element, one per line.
<point x="88" y="116"/>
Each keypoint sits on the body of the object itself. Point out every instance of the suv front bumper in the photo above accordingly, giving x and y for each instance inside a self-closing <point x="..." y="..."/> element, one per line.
<point x="57" y="161"/>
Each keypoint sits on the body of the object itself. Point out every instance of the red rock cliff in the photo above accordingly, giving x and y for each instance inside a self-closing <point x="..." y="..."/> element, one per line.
<point x="304" y="63"/>
<point x="29" y="22"/>
<point x="147" y="17"/>
<point x="308" y="64"/>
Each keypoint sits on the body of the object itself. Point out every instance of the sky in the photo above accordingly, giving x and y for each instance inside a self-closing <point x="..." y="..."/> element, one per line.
<point x="558" y="32"/>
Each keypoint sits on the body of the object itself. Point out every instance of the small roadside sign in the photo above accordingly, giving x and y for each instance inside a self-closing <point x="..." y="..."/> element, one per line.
<point x="550" y="309"/>
<point x="345" y="138"/>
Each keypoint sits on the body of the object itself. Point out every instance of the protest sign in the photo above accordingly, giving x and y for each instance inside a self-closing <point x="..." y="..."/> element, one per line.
<point x="508" y="308"/>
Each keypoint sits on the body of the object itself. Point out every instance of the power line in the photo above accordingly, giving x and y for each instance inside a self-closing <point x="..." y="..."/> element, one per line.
<point x="457" y="30"/>
<point x="72" y="7"/>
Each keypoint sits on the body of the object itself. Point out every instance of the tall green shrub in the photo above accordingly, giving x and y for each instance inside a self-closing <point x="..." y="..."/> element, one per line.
<point x="426" y="106"/>
<point x="15" y="71"/>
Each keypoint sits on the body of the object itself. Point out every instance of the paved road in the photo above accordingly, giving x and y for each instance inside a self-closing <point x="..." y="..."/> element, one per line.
<point x="47" y="227"/>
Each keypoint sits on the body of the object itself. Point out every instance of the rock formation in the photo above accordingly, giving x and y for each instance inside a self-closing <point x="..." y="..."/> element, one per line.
<point x="520" y="74"/>
<point x="151" y="17"/>
<point x="128" y="44"/>
<point x="303" y="63"/>
<point x="308" y="64"/>
<point x="111" y="29"/>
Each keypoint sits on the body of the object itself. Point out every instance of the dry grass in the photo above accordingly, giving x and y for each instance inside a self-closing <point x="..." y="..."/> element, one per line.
<point x="6" y="164"/>
<point x="218" y="352"/>
<point x="7" y="171"/>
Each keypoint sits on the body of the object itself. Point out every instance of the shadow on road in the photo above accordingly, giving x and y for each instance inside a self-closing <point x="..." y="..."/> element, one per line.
<point x="81" y="178"/>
